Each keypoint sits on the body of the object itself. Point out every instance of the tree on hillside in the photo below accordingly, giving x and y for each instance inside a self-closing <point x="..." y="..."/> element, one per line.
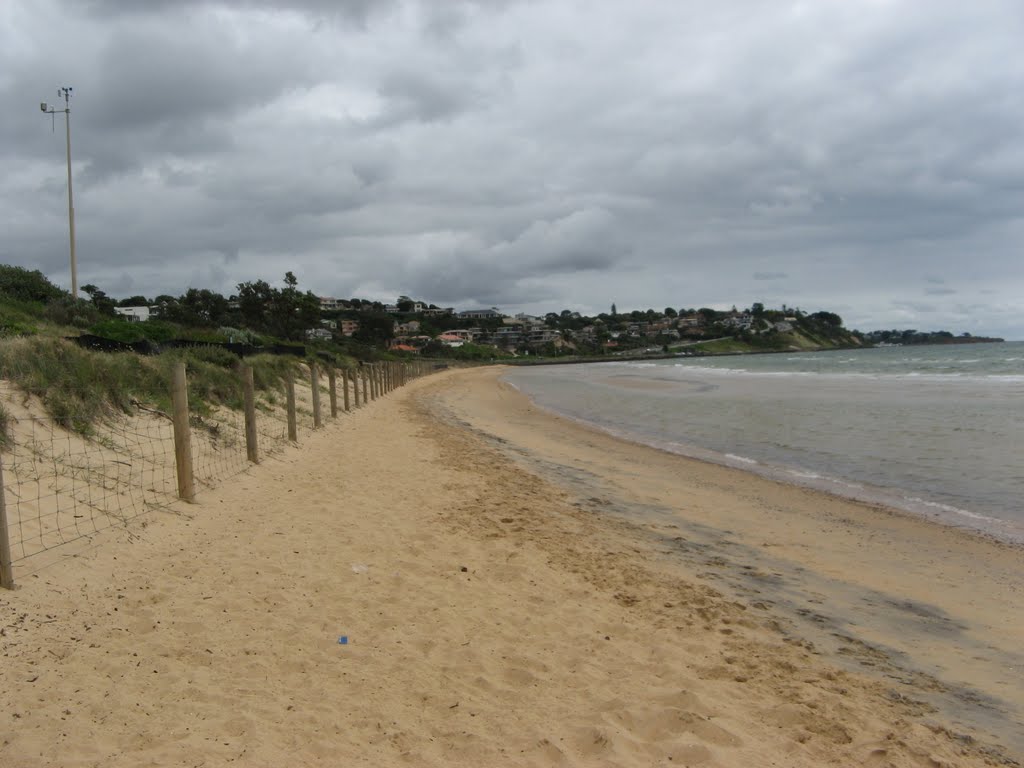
<point x="669" y="312"/>
<point x="827" y="318"/>
<point x="375" y="328"/>
<point x="99" y="299"/>
<point x="707" y="314"/>
<point x="27" y="285"/>
<point x="134" y="301"/>
<point x="287" y="313"/>
<point x="199" y="306"/>
<point x="405" y="304"/>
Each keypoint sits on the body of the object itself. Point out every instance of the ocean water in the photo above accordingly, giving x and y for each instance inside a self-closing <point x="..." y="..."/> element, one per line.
<point x="933" y="430"/>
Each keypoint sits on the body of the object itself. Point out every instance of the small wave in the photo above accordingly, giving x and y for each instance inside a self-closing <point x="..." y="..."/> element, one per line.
<point x="710" y="369"/>
<point x="742" y="459"/>
<point x="804" y="475"/>
<point x="951" y="509"/>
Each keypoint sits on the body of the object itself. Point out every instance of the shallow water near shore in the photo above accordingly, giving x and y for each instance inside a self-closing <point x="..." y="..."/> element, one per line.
<point x="936" y="431"/>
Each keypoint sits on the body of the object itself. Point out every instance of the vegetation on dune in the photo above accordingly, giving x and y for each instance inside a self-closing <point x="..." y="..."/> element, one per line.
<point x="78" y="387"/>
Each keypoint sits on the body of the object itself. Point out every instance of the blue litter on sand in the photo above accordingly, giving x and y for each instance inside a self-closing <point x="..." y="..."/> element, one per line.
<point x="343" y="640"/>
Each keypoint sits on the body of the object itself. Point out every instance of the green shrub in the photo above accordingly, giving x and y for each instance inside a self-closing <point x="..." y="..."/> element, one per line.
<point x="67" y="311"/>
<point x="239" y="336"/>
<point x="129" y="331"/>
<point x="28" y="285"/>
<point x="18" y="320"/>
<point x="203" y="334"/>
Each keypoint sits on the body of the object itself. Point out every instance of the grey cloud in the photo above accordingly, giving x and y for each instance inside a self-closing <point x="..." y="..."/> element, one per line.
<point x="418" y="96"/>
<point x="523" y="153"/>
<point x="581" y="241"/>
<point x="358" y="10"/>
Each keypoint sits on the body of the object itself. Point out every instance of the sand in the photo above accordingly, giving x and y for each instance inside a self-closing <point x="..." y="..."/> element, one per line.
<point x="514" y="590"/>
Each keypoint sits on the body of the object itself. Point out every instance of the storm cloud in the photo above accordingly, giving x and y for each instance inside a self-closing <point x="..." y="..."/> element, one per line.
<point x="861" y="157"/>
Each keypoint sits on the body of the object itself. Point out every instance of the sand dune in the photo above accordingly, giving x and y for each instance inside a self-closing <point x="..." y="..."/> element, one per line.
<point x="513" y="591"/>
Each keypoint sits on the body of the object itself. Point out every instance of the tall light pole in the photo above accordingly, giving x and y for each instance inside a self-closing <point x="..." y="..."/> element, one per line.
<point x="51" y="110"/>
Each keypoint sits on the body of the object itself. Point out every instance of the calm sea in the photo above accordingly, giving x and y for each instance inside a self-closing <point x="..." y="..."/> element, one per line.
<point x="937" y="431"/>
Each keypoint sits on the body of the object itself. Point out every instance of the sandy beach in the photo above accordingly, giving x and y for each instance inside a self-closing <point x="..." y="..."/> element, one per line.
<point x="513" y="589"/>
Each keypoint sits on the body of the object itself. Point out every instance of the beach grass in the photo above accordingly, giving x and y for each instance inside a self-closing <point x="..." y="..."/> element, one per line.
<point x="79" y="387"/>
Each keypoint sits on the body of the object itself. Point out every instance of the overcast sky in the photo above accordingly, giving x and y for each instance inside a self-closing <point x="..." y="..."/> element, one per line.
<point x="860" y="156"/>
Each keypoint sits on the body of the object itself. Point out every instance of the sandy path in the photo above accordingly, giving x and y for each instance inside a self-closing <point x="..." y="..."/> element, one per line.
<point x="493" y="618"/>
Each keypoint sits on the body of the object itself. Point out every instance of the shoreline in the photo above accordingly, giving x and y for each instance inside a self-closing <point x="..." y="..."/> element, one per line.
<point x="960" y="478"/>
<point x="875" y="496"/>
<point x="514" y="590"/>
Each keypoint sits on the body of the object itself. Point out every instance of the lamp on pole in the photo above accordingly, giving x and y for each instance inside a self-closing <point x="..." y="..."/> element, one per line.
<point x="51" y="110"/>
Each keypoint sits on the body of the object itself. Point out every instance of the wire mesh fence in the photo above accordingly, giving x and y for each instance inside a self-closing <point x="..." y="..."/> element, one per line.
<point x="61" y="486"/>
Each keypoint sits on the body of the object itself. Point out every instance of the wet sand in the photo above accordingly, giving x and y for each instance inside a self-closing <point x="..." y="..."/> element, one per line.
<point x="514" y="590"/>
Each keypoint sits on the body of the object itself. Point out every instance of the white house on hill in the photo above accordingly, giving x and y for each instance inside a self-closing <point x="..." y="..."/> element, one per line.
<point x="133" y="314"/>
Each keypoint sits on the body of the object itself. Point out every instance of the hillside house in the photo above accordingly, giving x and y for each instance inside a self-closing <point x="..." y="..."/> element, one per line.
<point x="134" y="314"/>
<point x="331" y="304"/>
<point x="464" y="334"/>
<point x="451" y="340"/>
<point x="543" y="335"/>
<point x="404" y="348"/>
<point x="481" y="314"/>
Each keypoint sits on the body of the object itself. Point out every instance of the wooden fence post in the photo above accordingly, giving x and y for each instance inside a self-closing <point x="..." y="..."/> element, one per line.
<point x="293" y="430"/>
<point x="249" y="393"/>
<point x="344" y="387"/>
<point x="332" y="383"/>
<point x="314" y="379"/>
<point x="182" y="434"/>
<point x="6" y="563"/>
<point x="365" y="371"/>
